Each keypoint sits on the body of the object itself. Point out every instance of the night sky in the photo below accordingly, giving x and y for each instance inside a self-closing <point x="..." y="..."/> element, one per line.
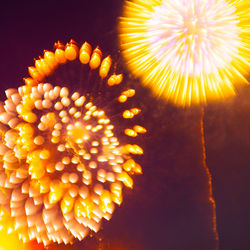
<point x="168" y="208"/>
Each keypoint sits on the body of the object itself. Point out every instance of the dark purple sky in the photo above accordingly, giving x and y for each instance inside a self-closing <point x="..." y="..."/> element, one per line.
<point x="168" y="207"/>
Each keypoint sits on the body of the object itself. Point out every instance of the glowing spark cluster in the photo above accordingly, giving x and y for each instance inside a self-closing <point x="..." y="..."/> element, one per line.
<point x="188" y="51"/>
<point x="61" y="167"/>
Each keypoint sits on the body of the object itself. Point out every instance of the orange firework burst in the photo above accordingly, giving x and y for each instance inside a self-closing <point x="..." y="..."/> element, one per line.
<point x="62" y="167"/>
<point x="188" y="51"/>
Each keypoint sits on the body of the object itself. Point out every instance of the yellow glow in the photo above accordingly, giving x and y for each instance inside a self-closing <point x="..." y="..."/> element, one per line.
<point x="76" y="133"/>
<point x="188" y="52"/>
<point x="106" y="202"/>
<point x="67" y="203"/>
<point x="122" y="98"/>
<point x="8" y="237"/>
<point x="10" y="241"/>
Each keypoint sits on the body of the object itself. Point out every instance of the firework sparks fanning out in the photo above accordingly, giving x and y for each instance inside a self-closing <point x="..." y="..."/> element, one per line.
<point x="62" y="168"/>
<point x="188" y="51"/>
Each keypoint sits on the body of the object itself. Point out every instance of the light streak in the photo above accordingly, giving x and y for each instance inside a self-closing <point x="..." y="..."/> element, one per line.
<point x="209" y="176"/>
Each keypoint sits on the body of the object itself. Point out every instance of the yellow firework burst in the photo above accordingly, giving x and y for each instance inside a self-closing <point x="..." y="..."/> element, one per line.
<point x="188" y="51"/>
<point x="61" y="166"/>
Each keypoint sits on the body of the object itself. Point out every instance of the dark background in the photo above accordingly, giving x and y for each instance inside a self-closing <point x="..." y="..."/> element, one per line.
<point x="168" y="208"/>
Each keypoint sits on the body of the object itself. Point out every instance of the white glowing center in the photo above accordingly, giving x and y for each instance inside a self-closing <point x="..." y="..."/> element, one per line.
<point x="193" y="37"/>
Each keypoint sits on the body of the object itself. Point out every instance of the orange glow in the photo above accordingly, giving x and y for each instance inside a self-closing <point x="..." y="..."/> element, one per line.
<point x="188" y="52"/>
<point x="60" y="53"/>
<point x="71" y="50"/>
<point x="85" y="53"/>
<point x="105" y="67"/>
<point x="130" y="132"/>
<point x="140" y="129"/>
<point x="95" y="59"/>
<point x="115" y="79"/>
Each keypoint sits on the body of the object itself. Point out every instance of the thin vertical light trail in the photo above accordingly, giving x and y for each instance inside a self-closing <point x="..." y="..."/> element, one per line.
<point x="210" y="190"/>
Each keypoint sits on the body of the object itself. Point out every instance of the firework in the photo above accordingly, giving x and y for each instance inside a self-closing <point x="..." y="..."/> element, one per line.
<point x="188" y="51"/>
<point x="62" y="167"/>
